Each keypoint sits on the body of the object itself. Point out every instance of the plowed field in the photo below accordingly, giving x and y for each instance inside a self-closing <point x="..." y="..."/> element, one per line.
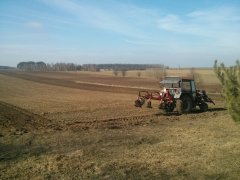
<point x="84" y="126"/>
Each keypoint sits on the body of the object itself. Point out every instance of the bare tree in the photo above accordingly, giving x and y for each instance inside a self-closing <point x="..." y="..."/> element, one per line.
<point x="139" y="74"/>
<point x="124" y="72"/>
<point x="115" y="72"/>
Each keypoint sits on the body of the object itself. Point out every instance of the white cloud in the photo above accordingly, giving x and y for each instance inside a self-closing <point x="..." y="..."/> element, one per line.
<point x="220" y="14"/>
<point x="35" y="25"/>
<point x="114" y="19"/>
<point x="213" y="23"/>
<point x="171" y="22"/>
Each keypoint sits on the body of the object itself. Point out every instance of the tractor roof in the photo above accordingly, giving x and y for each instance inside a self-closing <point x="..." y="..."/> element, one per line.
<point x="173" y="79"/>
<point x="166" y="81"/>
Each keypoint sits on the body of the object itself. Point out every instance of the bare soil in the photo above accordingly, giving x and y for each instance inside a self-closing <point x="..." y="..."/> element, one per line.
<point x="99" y="82"/>
<point x="54" y="128"/>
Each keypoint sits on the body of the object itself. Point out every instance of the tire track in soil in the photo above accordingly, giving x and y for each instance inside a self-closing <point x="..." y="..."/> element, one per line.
<point x="121" y="122"/>
<point x="12" y="116"/>
<point x="113" y="123"/>
<point x="15" y="117"/>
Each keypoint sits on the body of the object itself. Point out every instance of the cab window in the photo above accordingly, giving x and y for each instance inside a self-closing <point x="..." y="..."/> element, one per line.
<point x="186" y="85"/>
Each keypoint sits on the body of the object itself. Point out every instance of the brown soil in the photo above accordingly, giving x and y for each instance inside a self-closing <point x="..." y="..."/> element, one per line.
<point x="95" y="82"/>
<point x="54" y="128"/>
<point x="73" y="81"/>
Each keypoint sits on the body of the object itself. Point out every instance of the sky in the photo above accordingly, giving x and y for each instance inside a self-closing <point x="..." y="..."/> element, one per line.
<point x="185" y="33"/>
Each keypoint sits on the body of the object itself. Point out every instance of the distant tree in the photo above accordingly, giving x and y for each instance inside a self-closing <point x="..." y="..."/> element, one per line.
<point x="49" y="67"/>
<point x="139" y="74"/>
<point x="30" y="66"/>
<point x="41" y="66"/>
<point x="230" y="80"/>
<point x="27" y="66"/>
<point x="78" y="67"/>
<point x="115" y="72"/>
<point x="124" y="72"/>
<point x="20" y="65"/>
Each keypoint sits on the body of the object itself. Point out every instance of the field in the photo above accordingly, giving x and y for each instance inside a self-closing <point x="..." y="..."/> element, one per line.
<point x="83" y="125"/>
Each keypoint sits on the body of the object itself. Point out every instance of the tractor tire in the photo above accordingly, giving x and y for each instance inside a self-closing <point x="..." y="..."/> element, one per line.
<point x="161" y="106"/>
<point x="203" y="107"/>
<point x="139" y="102"/>
<point x="187" y="104"/>
<point x="179" y="106"/>
<point x="169" y="108"/>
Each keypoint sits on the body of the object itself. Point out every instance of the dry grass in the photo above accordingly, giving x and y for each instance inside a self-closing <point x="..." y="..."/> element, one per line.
<point x="151" y="146"/>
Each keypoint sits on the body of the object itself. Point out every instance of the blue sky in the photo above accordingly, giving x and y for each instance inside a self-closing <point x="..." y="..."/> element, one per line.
<point x="172" y="32"/>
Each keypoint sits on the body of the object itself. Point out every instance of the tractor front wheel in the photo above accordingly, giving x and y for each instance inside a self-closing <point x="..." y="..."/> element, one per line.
<point x="203" y="107"/>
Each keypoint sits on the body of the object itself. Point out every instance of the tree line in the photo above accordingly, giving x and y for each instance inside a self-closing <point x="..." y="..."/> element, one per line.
<point x="6" y="67"/>
<point x="42" y="66"/>
<point x="120" y="67"/>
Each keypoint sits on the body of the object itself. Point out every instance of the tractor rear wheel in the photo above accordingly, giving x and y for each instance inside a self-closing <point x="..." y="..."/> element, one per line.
<point x="187" y="104"/>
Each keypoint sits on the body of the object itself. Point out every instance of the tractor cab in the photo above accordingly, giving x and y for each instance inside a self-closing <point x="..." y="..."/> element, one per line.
<point x="178" y="86"/>
<point x="185" y="84"/>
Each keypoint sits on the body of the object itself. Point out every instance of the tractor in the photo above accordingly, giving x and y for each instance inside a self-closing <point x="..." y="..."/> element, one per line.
<point x="177" y="93"/>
